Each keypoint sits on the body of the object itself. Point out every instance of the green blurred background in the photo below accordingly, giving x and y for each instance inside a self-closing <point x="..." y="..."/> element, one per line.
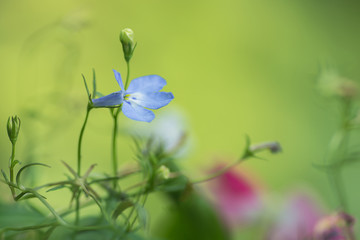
<point x="235" y="68"/>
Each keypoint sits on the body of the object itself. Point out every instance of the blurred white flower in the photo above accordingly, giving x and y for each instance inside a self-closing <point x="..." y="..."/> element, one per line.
<point x="169" y="129"/>
<point x="333" y="84"/>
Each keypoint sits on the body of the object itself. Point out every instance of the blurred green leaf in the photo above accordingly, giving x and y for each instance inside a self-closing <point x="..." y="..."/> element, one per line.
<point x="142" y="215"/>
<point x="122" y="206"/>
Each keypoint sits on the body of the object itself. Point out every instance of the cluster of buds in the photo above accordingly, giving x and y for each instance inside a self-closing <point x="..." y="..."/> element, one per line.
<point x="13" y="128"/>
<point x="163" y="173"/>
<point x="128" y="44"/>
<point x="336" y="226"/>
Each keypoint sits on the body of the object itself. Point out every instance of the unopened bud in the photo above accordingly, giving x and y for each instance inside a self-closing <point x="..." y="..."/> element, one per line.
<point x="127" y="41"/>
<point x="163" y="172"/>
<point x="13" y="128"/>
<point x="274" y="147"/>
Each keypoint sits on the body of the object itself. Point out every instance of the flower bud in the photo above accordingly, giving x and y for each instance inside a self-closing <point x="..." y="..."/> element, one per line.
<point x="163" y="172"/>
<point x="13" y="128"/>
<point x="127" y="41"/>
<point x="273" y="147"/>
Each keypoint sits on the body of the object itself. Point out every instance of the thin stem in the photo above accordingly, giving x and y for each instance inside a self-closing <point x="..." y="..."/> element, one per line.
<point x="59" y="219"/>
<point x="77" y="209"/>
<point x="80" y="141"/>
<point x="28" y="227"/>
<point x="52" y="184"/>
<point x="128" y="74"/>
<point x="139" y="184"/>
<point x="114" y="148"/>
<point x="115" y="130"/>
<point x="119" y="176"/>
<point x="77" y="214"/>
<point x="219" y="173"/>
<point x="12" y="168"/>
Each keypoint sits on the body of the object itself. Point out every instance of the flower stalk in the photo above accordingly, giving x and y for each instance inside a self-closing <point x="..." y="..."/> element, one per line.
<point x="77" y="212"/>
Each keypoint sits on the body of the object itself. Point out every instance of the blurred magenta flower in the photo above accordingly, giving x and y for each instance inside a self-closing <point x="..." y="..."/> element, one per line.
<point x="338" y="226"/>
<point x="236" y="198"/>
<point x="297" y="219"/>
<point x="142" y="93"/>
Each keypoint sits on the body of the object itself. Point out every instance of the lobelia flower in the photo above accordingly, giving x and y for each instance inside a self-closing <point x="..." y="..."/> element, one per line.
<point x="143" y="92"/>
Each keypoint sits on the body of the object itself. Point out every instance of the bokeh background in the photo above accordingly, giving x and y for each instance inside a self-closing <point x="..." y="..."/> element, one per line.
<point x="235" y="68"/>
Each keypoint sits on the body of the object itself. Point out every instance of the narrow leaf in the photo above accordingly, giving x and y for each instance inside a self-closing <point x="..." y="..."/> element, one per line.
<point x="87" y="89"/>
<point x="24" y="167"/>
<point x="86" y="175"/>
<point x="122" y="206"/>
<point x="55" y="188"/>
<point x="94" y="83"/>
<point x="70" y="169"/>
<point x="142" y="215"/>
<point x="5" y="177"/>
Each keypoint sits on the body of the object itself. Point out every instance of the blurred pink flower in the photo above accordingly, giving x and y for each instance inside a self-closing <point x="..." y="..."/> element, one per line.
<point x="236" y="198"/>
<point x="337" y="226"/>
<point x="296" y="219"/>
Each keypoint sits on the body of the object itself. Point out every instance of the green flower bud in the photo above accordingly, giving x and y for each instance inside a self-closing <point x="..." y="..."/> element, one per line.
<point x="163" y="172"/>
<point x="13" y="128"/>
<point x="127" y="41"/>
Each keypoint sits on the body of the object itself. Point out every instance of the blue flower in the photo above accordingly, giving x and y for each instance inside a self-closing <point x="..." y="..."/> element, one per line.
<point x="143" y="92"/>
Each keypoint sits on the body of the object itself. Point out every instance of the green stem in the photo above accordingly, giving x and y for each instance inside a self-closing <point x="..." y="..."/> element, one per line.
<point x="115" y="129"/>
<point x="119" y="176"/>
<point x="77" y="214"/>
<point x="51" y="209"/>
<point x="77" y="209"/>
<point x="114" y="148"/>
<point x="28" y="227"/>
<point x="80" y="140"/>
<point x="52" y="184"/>
<point x="128" y="75"/>
<point x="220" y="172"/>
<point x="12" y="168"/>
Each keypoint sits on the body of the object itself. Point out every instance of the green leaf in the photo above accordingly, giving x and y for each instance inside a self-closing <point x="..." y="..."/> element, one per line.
<point x="121" y="207"/>
<point x="142" y="215"/>
<point x="5" y="177"/>
<point x="247" y="152"/>
<point x="24" y="167"/>
<point x="70" y="169"/>
<point x="55" y="188"/>
<point x="87" y="89"/>
<point x="28" y="196"/>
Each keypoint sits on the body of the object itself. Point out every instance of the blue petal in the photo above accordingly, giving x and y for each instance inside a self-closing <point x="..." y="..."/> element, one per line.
<point x="150" y="83"/>
<point x="136" y="112"/>
<point x="118" y="79"/>
<point x="151" y="100"/>
<point x="112" y="99"/>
